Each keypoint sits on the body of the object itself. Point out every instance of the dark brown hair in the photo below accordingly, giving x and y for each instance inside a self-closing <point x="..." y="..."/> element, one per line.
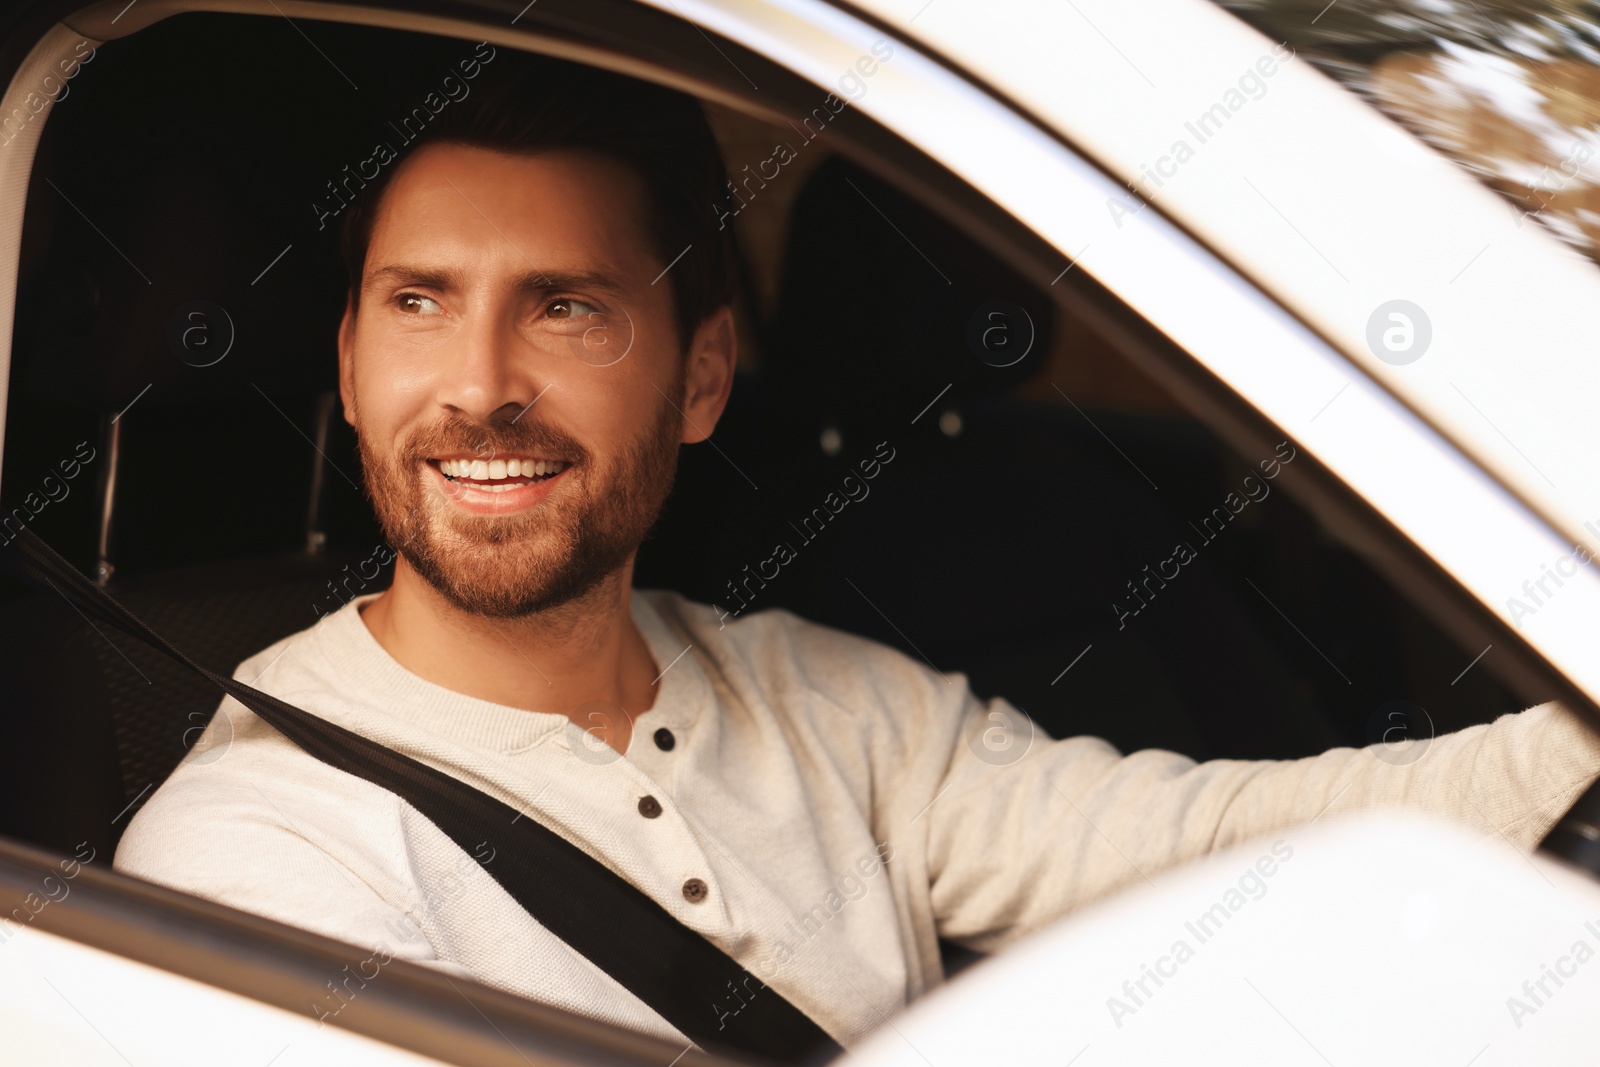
<point x="538" y="104"/>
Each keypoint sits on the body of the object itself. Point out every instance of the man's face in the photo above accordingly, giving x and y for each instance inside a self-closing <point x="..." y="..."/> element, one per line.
<point x="514" y="375"/>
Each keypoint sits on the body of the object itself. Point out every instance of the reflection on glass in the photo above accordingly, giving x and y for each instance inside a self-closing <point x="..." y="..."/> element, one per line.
<point x="1511" y="91"/>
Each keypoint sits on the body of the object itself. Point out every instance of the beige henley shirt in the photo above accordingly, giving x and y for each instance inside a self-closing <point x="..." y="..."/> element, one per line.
<point x="843" y="804"/>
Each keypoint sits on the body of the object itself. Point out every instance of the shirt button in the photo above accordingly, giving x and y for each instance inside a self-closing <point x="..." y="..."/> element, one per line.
<point x="665" y="740"/>
<point x="649" y="807"/>
<point x="695" y="891"/>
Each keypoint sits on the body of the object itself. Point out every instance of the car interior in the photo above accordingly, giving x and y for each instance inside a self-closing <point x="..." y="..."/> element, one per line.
<point x="1024" y="503"/>
<point x="1039" y="474"/>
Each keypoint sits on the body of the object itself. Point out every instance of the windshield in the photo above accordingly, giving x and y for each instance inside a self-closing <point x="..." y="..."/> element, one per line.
<point x="1511" y="91"/>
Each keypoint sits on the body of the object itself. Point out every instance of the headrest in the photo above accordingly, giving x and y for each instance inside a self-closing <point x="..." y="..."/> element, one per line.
<point x="882" y="304"/>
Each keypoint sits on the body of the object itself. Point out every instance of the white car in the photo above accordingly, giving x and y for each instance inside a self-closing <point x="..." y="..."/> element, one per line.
<point x="1172" y="253"/>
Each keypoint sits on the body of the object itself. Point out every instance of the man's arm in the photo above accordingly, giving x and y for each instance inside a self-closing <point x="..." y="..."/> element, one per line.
<point x="261" y="849"/>
<point x="1012" y="847"/>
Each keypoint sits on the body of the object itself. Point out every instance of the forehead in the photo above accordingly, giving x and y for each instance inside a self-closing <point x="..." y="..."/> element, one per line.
<point x="479" y="208"/>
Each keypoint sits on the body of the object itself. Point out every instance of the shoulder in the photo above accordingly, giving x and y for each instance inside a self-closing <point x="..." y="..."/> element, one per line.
<point x="277" y="834"/>
<point x="311" y="655"/>
<point x="246" y="801"/>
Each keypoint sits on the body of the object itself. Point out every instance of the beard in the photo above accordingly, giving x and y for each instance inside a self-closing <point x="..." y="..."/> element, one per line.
<point x="539" y="559"/>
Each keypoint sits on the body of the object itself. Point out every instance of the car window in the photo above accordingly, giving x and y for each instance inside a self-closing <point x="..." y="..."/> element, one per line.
<point x="1086" y="469"/>
<point x="1510" y="90"/>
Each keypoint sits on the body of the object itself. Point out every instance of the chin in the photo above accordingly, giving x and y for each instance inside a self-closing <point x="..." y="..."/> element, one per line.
<point x="511" y="578"/>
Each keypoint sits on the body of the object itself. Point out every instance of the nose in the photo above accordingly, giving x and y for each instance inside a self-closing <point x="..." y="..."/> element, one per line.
<point x="488" y="371"/>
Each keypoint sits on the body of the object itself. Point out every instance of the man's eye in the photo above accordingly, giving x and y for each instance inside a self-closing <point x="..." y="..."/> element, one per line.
<point x="416" y="304"/>
<point x="570" y="308"/>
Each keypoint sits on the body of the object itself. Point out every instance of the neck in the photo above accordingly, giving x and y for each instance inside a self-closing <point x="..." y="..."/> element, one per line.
<point x="569" y="660"/>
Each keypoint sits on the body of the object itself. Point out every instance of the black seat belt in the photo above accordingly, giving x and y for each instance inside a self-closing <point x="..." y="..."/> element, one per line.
<point x="620" y="929"/>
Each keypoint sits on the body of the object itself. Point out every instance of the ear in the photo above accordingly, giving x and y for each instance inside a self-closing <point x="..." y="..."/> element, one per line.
<point x="708" y="378"/>
<point x="347" y="362"/>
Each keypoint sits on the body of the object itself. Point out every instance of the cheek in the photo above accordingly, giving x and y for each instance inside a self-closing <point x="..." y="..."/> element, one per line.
<point x="629" y="390"/>
<point x="603" y="409"/>
<point x="388" y="392"/>
<point x="616" y="414"/>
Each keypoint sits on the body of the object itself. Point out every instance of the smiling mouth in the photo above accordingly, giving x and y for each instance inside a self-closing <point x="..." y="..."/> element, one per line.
<point x="498" y="475"/>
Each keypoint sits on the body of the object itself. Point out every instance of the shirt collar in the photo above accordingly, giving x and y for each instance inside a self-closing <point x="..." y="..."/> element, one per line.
<point x="682" y="687"/>
<point x="364" y="666"/>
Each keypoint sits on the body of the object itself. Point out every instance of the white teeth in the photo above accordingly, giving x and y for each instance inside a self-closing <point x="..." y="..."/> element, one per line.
<point x="499" y="470"/>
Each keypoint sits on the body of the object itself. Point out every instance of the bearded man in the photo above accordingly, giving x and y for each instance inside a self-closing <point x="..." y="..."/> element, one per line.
<point x="538" y="319"/>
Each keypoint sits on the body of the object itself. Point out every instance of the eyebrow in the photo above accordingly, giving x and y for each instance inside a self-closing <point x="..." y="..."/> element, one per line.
<point x="534" y="281"/>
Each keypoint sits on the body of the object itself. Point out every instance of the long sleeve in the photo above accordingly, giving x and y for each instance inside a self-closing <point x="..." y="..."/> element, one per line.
<point x="273" y="847"/>
<point x="1012" y="847"/>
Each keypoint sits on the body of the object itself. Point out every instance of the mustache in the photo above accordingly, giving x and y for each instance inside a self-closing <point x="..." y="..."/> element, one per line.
<point x="457" y="433"/>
